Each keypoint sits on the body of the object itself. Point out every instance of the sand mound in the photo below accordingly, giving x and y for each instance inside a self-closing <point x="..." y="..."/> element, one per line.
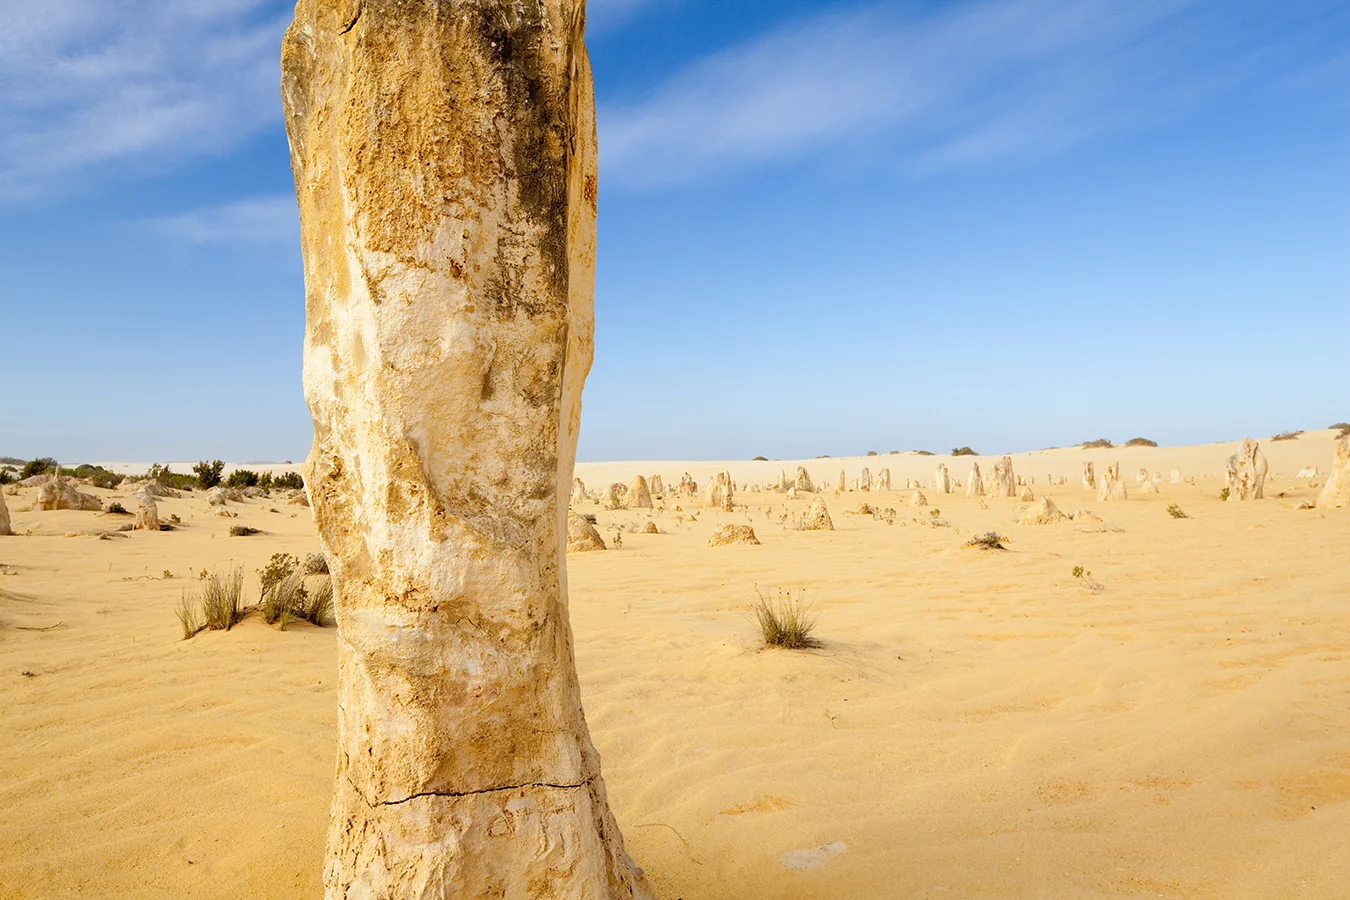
<point x="582" y="535"/>
<point x="732" y="534"/>
<point x="817" y="517"/>
<point x="1043" y="513"/>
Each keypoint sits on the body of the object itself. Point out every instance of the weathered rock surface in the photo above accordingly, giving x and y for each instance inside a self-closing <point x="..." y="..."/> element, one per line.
<point x="582" y="536"/>
<point x="1027" y="494"/>
<point x="817" y="517"/>
<point x="1246" y="472"/>
<point x="883" y="481"/>
<point x="656" y="486"/>
<point x="219" y="496"/>
<point x="614" y="495"/>
<point x="732" y="534"/>
<point x="917" y="498"/>
<point x="1149" y="487"/>
<point x="803" y="482"/>
<point x="445" y="166"/>
<point x="1111" y="486"/>
<point x="1044" y="512"/>
<point x="1089" y="477"/>
<point x="974" y="482"/>
<point x="843" y="484"/>
<point x="147" y="513"/>
<point x="5" y="528"/>
<point x="942" y="481"/>
<point x="865" y="480"/>
<point x="59" y="493"/>
<point x="1336" y="492"/>
<point x="639" y="497"/>
<point x="1176" y="477"/>
<point x="1002" y="482"/>
<point x="578" y="492"/>
<point x="720" y="494"/>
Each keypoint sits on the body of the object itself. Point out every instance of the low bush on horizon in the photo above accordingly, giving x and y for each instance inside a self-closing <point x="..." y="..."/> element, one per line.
<point x="40" y="466"/>
<point x="785" y="620"/>
<point x="1287" y="435"/>
<point x="760" y="459"/>
<point x="242" y="478"/>
<point x="1140" y="442"/>
<point x="1098" y="444"/>
<point x="923" y="452"/>
<point x="171" y="479"/>
<point x="963" y="451"/>
<point x="209" y="474"/>
<point x="289" y="481"/>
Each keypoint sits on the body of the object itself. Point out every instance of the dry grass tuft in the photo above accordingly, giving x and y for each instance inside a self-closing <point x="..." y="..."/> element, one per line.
<point x="189" y="616"/>
<point x="785" y="620"/>
<point x="1287" y="436"/>
<point x="991" y="540"/>
<point x="317" y="607"/>
<point x="221" y="601"/>
<point x="283" y="599"/>
<point x="316" y="564"/>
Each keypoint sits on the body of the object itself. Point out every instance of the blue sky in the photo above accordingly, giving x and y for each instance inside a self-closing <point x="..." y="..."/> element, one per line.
<point x="825" y="227"/>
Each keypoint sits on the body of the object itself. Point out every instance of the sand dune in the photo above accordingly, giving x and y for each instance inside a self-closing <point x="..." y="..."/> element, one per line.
<point x="975" y="723"/>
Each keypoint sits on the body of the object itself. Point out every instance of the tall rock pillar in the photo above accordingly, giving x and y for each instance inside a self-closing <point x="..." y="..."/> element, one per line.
<point x="445" y="167"/>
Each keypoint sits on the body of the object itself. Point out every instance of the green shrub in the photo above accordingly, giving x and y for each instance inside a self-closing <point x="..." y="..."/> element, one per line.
<point x="1223" y="494"/>
<point x="963" y="451"/>
<point x="1177" y="512"/>
<point x="208" y="473"/>
<point x="242" y="478"/>
<point x="171" y="479"/>
<point x="40" y="466"/>
<point x="1098" y="444"/>
<point x="784" y="620"/>
<point x="290" y="481"/>
<point x="316" y="564"/>
<point x="6" y="476"/>
<point x="243" y="531"/>
<point x="924" y="452"/>
<point x="277" y="569"/>
<point x="117" y="509"/>
<point x="1140" y="442"/>
<point x="1286" y="436"/>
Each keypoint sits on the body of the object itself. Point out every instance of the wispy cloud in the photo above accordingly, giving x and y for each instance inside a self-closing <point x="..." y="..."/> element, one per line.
<point x="607" y="15"/>
<point x="973" y="83"/>
<point x="88" y="84"/>
<point x="254" y="220"/>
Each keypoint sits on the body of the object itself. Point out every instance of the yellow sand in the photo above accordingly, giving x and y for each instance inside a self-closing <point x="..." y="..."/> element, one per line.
<point x="976" y="723"/>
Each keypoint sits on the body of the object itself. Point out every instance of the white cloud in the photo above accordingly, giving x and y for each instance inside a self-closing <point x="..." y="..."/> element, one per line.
<point x="607" y="15"/>
<point x="976" y="82"/>
<point x="90" y="84"/>
<point x="254" y="220"/>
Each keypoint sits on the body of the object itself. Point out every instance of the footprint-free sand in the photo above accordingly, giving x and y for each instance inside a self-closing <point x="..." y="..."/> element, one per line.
<point x="975" y="723"/>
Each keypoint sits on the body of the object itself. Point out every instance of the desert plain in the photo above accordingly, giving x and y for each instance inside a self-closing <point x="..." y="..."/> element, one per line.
<point x="1172" y="721"/>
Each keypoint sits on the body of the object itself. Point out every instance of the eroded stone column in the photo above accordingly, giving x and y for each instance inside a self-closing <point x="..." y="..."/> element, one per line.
<point x="444" y="159"/>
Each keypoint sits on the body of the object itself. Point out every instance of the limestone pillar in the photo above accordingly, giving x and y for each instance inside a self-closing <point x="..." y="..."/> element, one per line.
<point x="444" y="160"/>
